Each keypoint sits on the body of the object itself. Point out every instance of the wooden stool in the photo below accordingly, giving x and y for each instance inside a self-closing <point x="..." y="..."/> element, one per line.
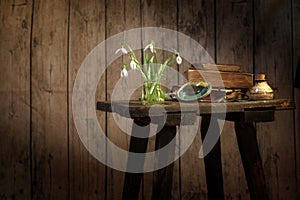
<point x="243" y="114"/>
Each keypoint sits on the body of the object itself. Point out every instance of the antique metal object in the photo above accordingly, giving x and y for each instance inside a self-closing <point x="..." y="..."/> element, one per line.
<point x="261" y="90"/>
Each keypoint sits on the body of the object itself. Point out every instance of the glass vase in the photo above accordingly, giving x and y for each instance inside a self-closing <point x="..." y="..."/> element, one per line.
<point x="152" y="92"/>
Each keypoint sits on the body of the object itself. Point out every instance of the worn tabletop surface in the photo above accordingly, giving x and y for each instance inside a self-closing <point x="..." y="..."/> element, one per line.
<point x="135" y="109"/>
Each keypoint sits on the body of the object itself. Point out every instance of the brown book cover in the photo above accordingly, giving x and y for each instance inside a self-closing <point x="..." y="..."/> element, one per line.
<point x="218" y="67"/>
<point x="218" y="79"/>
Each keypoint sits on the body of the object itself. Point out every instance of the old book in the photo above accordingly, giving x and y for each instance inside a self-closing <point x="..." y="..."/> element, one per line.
<point x="219" y="79"/>
<point x="219" y="67"/>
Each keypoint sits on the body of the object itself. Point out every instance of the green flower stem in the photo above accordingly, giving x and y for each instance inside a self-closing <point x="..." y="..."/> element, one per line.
<point x="152" y="91"/>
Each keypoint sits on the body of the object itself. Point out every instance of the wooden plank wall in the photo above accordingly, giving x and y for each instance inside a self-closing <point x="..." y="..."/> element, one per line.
<point x="49" y="120"/>
<point x="86" y="174"/>
<point x="43" y="43"/>
<point x="15" y="127"/>
<point x="196" y="20"/>
<point x="273" y="56"/>
<point x="233" y="47"/>
<point x="296" y="64"/>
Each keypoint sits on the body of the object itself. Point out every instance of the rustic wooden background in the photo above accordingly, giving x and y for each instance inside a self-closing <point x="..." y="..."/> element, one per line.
<point x="42" y="44"/>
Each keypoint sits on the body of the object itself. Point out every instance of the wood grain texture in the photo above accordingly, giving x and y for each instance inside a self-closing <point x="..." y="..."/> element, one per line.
<point x="151" y="17"/>
<point x="234" y="45"/>
<point x="248" y="146"/>
<point x="132" y="17"/>
<point x="114" y="25"/>
<point x="37" y="77"/>
<point x="121" y="15"/>
<point x="49" y="100"/>
<point x="221" y="67"/>
<point x="296" y="63"/>
<point x="162" y="178"/>
<point x="160" y="14"/>
<point x="273" y="56"/>
<point x="15" y="155"/>
<point x="195" y="19"/>
<point x="87" y="25"/>
<point x="133" y="181"/>
<point x="213" y="162"/>
<point x="228" y="79"/>
<point x="135" y="109"/>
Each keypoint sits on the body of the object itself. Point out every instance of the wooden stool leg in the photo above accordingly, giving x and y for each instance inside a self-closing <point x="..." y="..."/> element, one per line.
<point x="212" y="161"/>
<point x="163" y="178"/>
<point x="247" y="142"/>
<point x="132" y="181"/>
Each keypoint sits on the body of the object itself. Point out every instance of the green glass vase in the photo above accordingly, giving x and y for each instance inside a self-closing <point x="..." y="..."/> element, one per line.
<point x="152" y="92"/>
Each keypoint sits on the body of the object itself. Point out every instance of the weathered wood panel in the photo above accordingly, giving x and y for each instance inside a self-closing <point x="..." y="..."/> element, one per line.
<point x="150" y="18"/>
<point x="87" y="25"/>
<point x="49" y="100"/>
<point x="132" y="19"/>
<point x="160" y="14"/>
<point x="121" y="15"/>
<point x="61" y="167"/>
<point x="296" y="63"/>
<point x="234" y="45"/>
<point x="15" y="32"/>
<point x="170" y="8"/>
<point x="195" y="19"/>
<point x="273" y="56"/>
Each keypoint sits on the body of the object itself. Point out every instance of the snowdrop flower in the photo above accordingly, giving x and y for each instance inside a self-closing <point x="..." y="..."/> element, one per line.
<point x="122" y="49"/>
<point x="133" y="65"/>
<point x="124" y="72"/>
<point x="178" y="59"/>
<point x="151" y="46"/>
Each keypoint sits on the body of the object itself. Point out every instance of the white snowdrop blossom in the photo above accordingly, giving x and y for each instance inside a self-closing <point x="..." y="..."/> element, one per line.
<point x="133" y="65"/>
<point x="124" y="73"/>
<point x="149" y="72"/>
<point x="122" y="49"/>
<point x="151" y="46"/>
<point x="152" y="91"/>
<point x="178" y="59"/>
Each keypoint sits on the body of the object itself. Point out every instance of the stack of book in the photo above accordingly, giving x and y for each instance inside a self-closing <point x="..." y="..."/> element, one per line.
<point x="224" y="79"/>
